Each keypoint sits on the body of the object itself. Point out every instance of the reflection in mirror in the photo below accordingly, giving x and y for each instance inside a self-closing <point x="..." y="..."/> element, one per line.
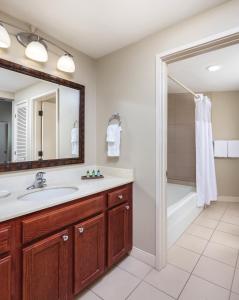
<point x="39" y="120"/>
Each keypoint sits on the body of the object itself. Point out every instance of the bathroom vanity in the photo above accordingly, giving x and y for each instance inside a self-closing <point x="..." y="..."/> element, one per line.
<point x="57" y="252"/>
<point x="57" y="240"/>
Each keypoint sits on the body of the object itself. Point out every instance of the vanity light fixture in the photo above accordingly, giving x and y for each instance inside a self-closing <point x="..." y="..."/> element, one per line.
<point x="66" y="63"/>
<point x="5" y="41"/>
<point x="36" y="47"/>
<point x="214" y="68"/>
<point x="35" y="50"/>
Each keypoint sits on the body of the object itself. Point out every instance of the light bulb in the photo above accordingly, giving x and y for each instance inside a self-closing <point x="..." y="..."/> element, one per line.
<point x="66" y="63"/>
<point x="35" y="50"/>
<point x="5" y="41"/>
<point x="214" y="68"/>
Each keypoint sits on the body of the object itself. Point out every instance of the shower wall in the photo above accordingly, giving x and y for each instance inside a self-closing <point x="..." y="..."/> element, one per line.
<point x="225" y="125"/>
<point x="181" y="139"/>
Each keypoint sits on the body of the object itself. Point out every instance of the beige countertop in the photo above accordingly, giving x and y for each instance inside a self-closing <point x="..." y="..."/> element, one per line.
<point x="12" y="207"/>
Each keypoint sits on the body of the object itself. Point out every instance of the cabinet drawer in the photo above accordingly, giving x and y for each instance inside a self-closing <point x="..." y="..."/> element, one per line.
<point x="46" y="223"/>
<point x="117" y="197"/>
<point x="5" y="238"/>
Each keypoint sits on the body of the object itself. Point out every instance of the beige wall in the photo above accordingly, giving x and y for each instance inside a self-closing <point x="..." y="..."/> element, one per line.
<point x="126" y="84"/>
<point x="225" y="123"/>
<point x="6" y="95"/>
<point x="85" y="74"/>
<point x="181" y="139"/>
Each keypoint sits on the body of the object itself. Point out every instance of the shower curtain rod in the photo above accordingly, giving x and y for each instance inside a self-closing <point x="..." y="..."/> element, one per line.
<point x="183" y="86"/>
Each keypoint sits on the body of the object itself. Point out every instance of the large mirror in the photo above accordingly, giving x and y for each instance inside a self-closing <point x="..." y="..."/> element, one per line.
<point x="41" y="120"/>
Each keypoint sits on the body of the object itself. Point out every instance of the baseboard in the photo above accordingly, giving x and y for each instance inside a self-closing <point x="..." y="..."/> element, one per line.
<point x="144" y="256"/>
<point x="228" y="199"/>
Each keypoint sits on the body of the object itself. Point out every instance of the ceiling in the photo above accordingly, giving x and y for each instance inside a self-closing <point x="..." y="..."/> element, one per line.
<point x="193" y="72"/>
<point x="98" y="27"/>
<point x="12" y="81"/>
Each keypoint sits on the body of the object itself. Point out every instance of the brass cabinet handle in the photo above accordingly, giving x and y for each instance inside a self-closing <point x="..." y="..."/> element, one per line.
<point x="65" y="238"/>
<point x="120" y="197"/>
<point x="127" y="207"/>
<point x="81" y="230"/>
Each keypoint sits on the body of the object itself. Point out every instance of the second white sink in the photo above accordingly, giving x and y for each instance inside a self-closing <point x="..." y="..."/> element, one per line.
<point x="46" y="193"/>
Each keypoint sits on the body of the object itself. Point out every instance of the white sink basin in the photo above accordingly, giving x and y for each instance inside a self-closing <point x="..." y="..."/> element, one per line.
<point x="48" y="193"/>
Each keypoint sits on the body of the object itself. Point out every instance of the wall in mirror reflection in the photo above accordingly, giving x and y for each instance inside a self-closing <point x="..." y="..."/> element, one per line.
<point x="39" y="120"/>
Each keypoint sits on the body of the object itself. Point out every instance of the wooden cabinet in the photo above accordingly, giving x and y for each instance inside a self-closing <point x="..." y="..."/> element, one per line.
<point x="5" y="278"/>
<point x="46" y="268"/>
<point x="119" y="232"/>
<point x="89" y="251"/>
<point x="56" y="253"/>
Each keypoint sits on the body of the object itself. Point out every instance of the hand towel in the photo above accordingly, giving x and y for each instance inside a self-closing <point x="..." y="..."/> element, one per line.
<point x="233" y="149"/>
<point x="220" y="148"/>
<point x="75" y="141"/>
<point x="113" y="140"/>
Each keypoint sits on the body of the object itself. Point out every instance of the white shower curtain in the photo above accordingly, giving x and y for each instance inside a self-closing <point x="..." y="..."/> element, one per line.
<point x="205" y="165"/>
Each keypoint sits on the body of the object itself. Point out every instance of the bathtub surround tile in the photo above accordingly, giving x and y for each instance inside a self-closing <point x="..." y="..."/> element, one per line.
<point x="200" y="231"/>
<point x="221" y="253"/>
<point x="215" y="272"/>
<point x="192" y="243"/>
<point x="229" y="228"/>
<point x="135" y="267"/>
<point x="145" y="291"/>
<point x="235" y="285"/>
<point x="117" y="285"/>
<point x="203" y="221"/>
<point x="170" y="280"/>
<point x="182" y="258"/>
<point x="199" y="289"/>
<point x="226" y="239"/>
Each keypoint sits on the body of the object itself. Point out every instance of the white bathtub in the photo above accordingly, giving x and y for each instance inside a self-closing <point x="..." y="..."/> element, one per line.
<point x="182" y="209"/>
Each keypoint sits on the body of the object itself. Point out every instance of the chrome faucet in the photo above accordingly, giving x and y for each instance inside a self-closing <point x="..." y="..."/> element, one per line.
<point x="39" y="182"/>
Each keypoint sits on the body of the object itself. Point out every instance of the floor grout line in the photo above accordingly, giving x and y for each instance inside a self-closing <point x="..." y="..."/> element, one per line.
<point x="191" y="273"/>
<point x="142" y="280"/>
<point x="234" y="273"/>
<point x="202" y="254"/>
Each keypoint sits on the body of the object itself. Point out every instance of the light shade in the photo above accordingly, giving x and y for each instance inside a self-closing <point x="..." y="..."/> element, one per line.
<point x="66" y="63"/>
<point x="214" y="68"/>
<point x="5" y="41"/>
<point x="35" y="50"/>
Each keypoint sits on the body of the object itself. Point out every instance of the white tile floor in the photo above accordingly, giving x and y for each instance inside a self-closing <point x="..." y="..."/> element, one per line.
<point x="202" y="265"/>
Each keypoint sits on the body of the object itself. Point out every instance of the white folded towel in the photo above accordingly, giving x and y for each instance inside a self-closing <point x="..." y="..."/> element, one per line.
<point x="233" y="149"/>
<point x="220" y="148"/>
<point x="75" y="141"/>
<point x="113" y="140"/>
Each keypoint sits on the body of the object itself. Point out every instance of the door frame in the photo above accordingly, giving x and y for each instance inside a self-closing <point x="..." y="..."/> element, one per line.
<point x="32" y="120"/>
<point x="213" y="42"/>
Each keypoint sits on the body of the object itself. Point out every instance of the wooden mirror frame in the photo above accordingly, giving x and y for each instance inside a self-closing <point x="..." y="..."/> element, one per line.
<point x="18" y="166"/>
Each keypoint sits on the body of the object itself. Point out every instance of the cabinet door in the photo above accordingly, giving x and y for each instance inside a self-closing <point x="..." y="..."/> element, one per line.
<point x="119" y="232"/>
<point x="5" y="278"/>
<point x="46" y="268"/>
<point x="89" y="251"/>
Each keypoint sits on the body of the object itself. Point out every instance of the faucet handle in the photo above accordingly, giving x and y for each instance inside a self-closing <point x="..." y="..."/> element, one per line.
<point x="40" y="174"/>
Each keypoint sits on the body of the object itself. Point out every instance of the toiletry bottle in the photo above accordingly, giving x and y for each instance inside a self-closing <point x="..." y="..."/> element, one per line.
<point x="98" y="173"/>
<point x="93" y="173"/>
<point x="88" y="174"/>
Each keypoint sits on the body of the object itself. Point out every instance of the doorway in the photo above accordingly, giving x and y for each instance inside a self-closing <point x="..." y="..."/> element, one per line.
<point x="5" y="130"/>
<point x="45" y="127"/>
<point x="162" y="60"/>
